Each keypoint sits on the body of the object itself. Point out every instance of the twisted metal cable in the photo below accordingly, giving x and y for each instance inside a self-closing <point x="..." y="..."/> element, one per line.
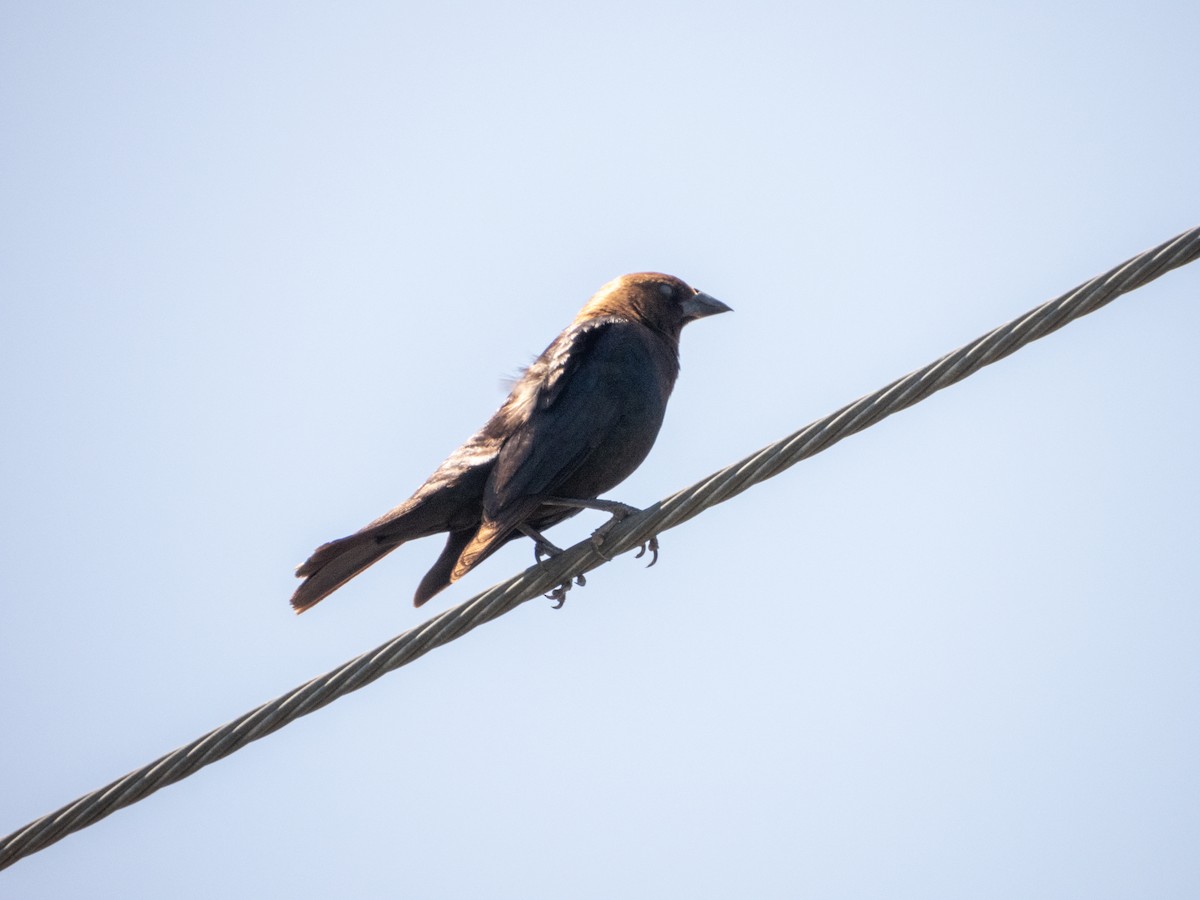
<point x="583" y="557"/>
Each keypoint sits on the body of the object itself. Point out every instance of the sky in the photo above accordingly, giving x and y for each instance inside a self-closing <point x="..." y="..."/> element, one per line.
<point x="263" y="266"/>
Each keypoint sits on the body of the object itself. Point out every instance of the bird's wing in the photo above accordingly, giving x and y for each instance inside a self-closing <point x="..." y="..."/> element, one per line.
<point x="568" y="414"/>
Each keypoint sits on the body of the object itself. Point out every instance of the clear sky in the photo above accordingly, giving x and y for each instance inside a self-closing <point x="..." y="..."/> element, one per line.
<point x="264" y="265"/>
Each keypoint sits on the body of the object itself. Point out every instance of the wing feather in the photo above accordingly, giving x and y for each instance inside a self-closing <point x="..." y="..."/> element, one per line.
<point x="569" y="414"/>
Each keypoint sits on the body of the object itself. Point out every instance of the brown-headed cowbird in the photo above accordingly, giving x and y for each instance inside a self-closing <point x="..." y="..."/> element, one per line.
<point x="580" y="419"/>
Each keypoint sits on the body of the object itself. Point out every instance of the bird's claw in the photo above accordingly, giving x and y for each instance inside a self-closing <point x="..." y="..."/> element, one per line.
<point x="559" y="594"/>
<point x="652" y="546"/>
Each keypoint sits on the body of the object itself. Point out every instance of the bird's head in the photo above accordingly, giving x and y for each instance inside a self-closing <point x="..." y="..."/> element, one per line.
<point x="663" y="302"/>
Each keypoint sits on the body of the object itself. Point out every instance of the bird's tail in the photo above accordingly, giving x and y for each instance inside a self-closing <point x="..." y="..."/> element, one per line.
<point x="335" y="563"/>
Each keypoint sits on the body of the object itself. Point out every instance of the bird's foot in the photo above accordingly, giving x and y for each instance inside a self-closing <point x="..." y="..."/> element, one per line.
<point x="559" y="594"/>
<point x="622" y="511"/>
<point x="543" y="549"/>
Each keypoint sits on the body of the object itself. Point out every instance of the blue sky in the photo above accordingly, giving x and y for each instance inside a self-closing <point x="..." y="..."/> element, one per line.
<point x="265" y="265"/>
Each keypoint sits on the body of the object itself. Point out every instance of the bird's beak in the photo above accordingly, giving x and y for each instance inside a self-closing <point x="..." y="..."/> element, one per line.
<point x="700" y="305"/>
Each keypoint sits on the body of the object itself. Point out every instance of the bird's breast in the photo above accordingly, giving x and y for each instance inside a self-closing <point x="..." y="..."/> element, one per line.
<point x="630" y="383"/>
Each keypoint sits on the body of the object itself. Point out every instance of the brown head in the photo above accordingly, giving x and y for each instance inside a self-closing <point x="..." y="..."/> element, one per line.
<point x="662" y="302"/>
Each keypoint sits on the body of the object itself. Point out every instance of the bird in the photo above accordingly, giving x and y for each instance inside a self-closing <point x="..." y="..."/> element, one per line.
<point x="577" y="422"/>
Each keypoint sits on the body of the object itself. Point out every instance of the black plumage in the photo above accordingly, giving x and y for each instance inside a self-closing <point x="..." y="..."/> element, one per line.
<point x="580" y="419"/>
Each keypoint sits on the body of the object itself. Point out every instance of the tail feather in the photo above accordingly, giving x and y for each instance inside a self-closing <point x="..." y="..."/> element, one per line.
<point x="335" y="563"/>
<point x="486" y="541"/>
<point x="438" y="577"/>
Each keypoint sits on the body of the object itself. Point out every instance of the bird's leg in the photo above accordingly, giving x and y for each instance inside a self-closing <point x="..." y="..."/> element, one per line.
<point x="542" y="547"/>
<point x="618" y="511"/>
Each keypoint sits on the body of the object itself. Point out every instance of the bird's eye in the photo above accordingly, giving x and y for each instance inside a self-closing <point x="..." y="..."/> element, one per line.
<point x="666" y="290"/>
